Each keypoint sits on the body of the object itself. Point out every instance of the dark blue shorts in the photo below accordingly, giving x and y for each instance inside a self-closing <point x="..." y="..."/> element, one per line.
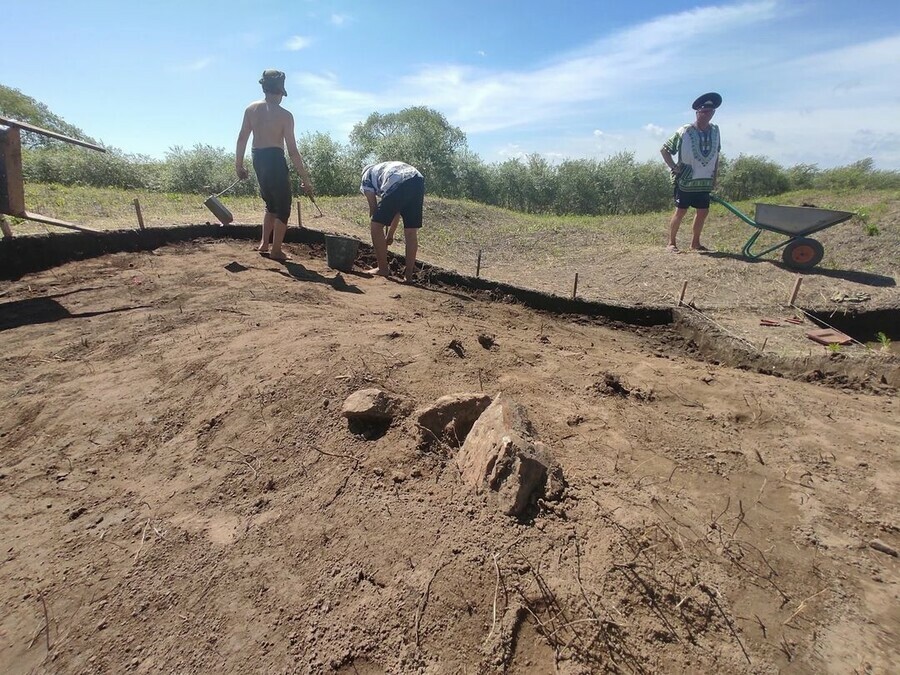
<point x="274" y="182"/>
<point x="686" y="200"/>
<point x="408" y="200"/>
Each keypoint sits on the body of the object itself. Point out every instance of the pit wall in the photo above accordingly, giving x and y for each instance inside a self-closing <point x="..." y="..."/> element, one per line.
<point x="873" y="369"/>
<point x="33" y="253"/>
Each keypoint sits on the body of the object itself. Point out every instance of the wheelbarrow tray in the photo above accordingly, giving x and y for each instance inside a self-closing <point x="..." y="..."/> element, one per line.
<point x="797" y="221"/>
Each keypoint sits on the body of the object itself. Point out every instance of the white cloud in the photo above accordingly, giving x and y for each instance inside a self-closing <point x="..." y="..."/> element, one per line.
<point x="297" y="42"/>
<point x="481" y="52"/>
<point x="339" y="19"/>
<point x="776" y="103"/>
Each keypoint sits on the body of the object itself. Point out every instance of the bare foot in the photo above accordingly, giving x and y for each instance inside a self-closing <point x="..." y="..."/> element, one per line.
<point x="699" y="247"/>
<point x="378" y="272"/>
<point x="672" y="248"/>
<point x="281" y="256"/>
<point x="262" y="249"/>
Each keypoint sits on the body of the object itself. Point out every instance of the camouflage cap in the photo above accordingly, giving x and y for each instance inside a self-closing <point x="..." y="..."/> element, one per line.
<point x="272" y="82"/>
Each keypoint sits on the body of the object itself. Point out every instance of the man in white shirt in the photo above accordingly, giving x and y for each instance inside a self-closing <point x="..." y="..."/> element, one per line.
<point x="696" y="147"/>
<point x="401" y="191"/>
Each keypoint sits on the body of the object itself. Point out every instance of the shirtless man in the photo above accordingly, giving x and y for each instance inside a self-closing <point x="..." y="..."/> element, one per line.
<point x="272" y="127"/>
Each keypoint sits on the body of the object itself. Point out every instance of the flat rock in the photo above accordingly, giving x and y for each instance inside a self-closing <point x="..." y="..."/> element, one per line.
<point x="449" y="419"/>
<point x="372" y="405"/>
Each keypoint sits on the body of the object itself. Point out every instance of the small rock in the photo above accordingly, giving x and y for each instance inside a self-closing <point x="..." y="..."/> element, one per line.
<point x="103" y="624"/>
<point x="879" y="545"/>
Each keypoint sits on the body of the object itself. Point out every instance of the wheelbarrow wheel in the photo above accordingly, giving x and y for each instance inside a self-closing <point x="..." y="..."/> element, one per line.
<point x="803" y="254"/>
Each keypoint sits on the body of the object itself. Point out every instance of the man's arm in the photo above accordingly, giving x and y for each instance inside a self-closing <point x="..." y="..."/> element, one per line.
<point x="373" y="203"/>
<point x="240" y="151"/>
<point x="389" y="237"/>
<point x="296" y="158"/>
<point x="667" y="158"/>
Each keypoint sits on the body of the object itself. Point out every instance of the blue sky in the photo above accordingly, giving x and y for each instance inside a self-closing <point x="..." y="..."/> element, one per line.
<point x="805" y="81"/>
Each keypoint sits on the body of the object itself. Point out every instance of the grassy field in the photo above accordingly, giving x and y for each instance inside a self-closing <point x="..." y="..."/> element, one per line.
<point x="869" y="242"/>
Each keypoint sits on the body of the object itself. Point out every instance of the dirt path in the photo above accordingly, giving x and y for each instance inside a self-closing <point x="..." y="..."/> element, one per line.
<point x="180" y="491"/>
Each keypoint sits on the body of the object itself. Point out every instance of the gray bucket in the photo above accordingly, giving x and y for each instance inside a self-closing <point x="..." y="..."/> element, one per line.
<point x="340" y="252"/>
<point x="219" y="210"/>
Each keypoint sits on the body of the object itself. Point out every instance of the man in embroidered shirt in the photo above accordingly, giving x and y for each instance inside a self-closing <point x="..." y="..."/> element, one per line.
<point x="696" y="147"/>
<point x="272" y="128"/>
<point x="401" y="189"/>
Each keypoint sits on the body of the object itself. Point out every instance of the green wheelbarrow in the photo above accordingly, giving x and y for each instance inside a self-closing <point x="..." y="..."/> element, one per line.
<point x="794" y="222"/>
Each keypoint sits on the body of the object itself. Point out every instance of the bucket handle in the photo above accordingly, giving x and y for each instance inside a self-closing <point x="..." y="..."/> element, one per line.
<point x="218" y="194"/>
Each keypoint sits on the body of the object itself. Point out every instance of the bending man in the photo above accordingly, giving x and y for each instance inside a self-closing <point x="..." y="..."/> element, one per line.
<point x="272" y="128"/>
<point x="401" y="189"/>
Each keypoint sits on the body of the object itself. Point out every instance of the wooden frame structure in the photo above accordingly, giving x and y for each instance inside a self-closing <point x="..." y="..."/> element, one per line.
<point x="12" y="186"/>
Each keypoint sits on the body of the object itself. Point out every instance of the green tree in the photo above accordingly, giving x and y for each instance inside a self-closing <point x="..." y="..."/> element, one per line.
<point x="473" y="177"/>
<point x="418" y="136"/>
<point x="16" y="105"/>
<point x="334" y="168"/>
<point x="581" y="188"/>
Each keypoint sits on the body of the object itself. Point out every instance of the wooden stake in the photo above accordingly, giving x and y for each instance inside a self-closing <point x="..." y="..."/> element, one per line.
<point x="140" y="216"/>
<point x="795" y="291"/>
<point x="681" y="296"/>
<point x="4" y="227"/>
<point x="763" y="348"/>
<point x="299" y="215"/>
<point x="478" y="265"/>
<point x="575" y="287"/>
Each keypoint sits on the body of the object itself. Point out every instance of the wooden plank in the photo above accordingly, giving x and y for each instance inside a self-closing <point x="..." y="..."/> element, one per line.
<point x="52" y="134"/>
<point x="54" y="221"/>
<point x="11" y="151"/>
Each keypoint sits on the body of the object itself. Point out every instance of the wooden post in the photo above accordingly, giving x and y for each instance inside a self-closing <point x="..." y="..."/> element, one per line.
<point x="4" y="227"/>
<point x="299" y="215"/>
<point x="575" y="287"/>
<point x="478" y="265"/>
<point x="681" y="296"/>
<point x="137" y="210"/>
<point x="12" y="198"/>
<point x="795" y="291"/>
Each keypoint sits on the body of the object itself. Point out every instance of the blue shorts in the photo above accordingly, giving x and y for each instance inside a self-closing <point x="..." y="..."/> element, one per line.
<point x="686" y="200"/>
<point x="407" y="199"/>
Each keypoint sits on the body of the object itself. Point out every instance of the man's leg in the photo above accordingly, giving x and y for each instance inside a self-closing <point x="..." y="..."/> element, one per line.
<point x="411" y="236"/>
<point x="380" y="244"/>
<point x="699" y="219"/>
<point x="268" y="226"/>
<point x="279" y="230"/>
<point x="674" y="224"/>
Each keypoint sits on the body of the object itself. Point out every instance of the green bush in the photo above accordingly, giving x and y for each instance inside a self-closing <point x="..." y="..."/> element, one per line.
<point x="751" y="176"/>
<point x="861" y="174"/>
<point x="203" y="169"/>
<point x="71" y="165"/>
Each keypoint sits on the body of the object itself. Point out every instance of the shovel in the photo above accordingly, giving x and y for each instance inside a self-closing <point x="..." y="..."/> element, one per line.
<point x="218" y="209"/>
<point x="313" y="200"/>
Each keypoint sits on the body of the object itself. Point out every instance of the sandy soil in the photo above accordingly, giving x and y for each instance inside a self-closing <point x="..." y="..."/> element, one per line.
<point x="180" y="492"/>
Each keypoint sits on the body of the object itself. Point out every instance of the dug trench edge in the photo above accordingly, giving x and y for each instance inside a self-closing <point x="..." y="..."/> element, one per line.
<point x="32" y="253"/>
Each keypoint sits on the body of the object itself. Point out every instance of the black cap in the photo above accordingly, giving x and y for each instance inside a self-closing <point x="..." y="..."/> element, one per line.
<point x="272" y="82"/>
<point x="710" y="100"/>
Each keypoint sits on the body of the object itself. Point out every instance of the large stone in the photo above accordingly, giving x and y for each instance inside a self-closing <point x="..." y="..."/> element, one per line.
<point x="500" y="454"/>
<point x="449" y="419"/>
<point x="372" y="406"/>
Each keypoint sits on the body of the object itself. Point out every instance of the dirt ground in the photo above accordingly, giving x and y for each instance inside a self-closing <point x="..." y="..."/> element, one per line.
<point x="180" y="492"/>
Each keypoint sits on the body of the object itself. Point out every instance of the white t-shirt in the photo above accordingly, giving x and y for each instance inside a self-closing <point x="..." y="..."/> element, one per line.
<point x="384" y="178"/>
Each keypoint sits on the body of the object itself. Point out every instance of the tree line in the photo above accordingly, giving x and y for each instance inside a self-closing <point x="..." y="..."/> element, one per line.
<point x="424" y="138"/>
